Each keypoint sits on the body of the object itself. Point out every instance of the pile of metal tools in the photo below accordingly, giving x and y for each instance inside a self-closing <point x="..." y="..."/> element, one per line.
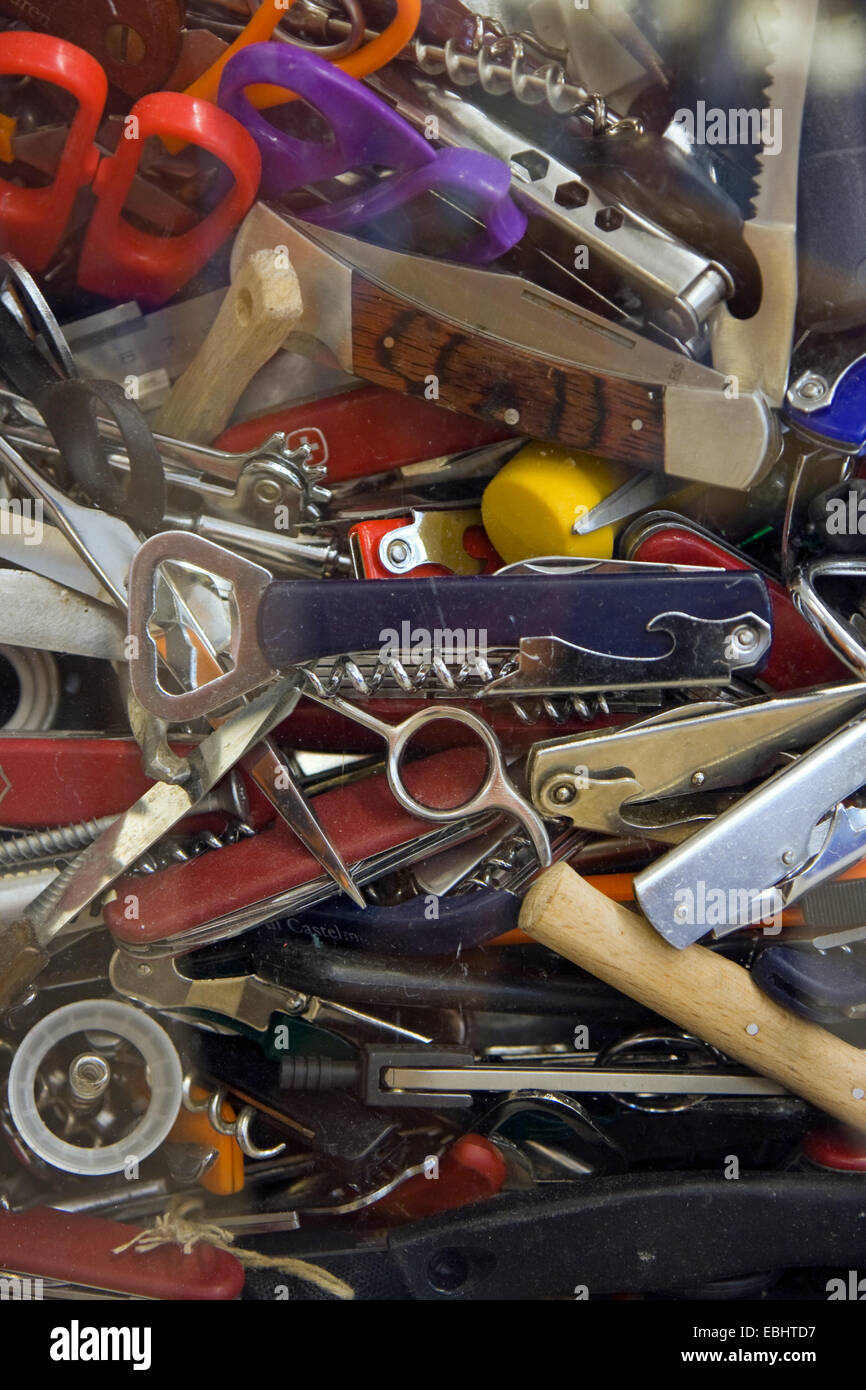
<point x="432" y="648"/>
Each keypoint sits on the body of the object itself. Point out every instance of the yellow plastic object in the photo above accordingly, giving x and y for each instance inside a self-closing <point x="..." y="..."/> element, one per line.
<point x="7" y="135"/>
<point x="364" y="60"/>
<point x="226" y="1173"/>
<point x="531" y="505"/>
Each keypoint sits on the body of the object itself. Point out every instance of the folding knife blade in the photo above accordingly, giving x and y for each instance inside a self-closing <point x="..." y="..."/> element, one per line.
<point x="500" y="348"/>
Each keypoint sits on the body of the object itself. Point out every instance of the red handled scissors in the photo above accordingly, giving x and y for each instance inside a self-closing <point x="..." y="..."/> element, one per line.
<point x="118" y="260"/>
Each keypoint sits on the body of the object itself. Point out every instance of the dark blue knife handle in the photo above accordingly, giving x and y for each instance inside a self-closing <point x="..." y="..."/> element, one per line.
<point x="843" y="421"/>
<point x="409" y="929"/>
<point x="831" y="196"/>
<point x="820" y="987"/>
<point x="305" y="620"/>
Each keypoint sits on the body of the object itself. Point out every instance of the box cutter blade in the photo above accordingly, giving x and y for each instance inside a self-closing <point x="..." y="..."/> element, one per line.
<point x="670" y="629"/>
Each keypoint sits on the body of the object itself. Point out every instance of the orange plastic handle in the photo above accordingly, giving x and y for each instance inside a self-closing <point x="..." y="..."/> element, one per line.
<point x="370" y="58"/>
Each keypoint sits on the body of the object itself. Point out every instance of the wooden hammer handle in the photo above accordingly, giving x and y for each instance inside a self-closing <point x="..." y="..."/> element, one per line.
<point x="262" y="306"/>
<point x="700" y="991"/>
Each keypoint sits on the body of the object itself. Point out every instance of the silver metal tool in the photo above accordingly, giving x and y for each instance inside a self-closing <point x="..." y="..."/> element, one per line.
<point x="678" y="286"/>
<point x="846" y="636"/>
<point x="26" y="943"/>
<point x="262" y="478"/>
<point x="757" y="351"/>
<point x="108" y="545"/>
<point x="501" y="62"/>
<point x="667" y="776"/>
<point x="415" y="1081"/>
<point x="245" y="999"/>
<point x="496" y="793"/>
<point x="792" y="833"/>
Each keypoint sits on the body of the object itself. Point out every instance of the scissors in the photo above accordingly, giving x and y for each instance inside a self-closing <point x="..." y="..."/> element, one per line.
<point x="369" y="58"/>
<point x="496" y="793"/>
<point x="118" y="260"/>
<point x="365" y="133"/>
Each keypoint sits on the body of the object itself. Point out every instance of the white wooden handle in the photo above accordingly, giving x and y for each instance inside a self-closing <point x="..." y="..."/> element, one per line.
<point x="700" y="991"/>
<point x="262" y="306"/>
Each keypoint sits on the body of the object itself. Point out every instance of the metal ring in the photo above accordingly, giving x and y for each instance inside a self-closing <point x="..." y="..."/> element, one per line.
<point x="403" y="735"/>
<point x="164" y="1072"/>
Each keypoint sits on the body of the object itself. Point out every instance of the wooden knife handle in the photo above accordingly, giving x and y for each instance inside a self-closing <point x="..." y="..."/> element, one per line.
<point x="709" y="996"/>
<point x="400" y="347"/>
<point x="262" y="305"/>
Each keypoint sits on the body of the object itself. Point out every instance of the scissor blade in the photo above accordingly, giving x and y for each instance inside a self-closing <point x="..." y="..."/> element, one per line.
<point x="289" y="801"/>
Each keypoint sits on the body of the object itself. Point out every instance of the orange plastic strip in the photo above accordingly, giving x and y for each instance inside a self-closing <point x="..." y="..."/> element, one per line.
<point x="369" y="58"/>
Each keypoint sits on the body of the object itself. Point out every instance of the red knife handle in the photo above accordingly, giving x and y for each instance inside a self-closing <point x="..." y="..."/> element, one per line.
<point x="318" y="728"/>
<point x="50" y="780"/>
<point x="797" y="657"/>
<point x="366" y="431"/>
<point x="361" y="818"/>
<point x="48" y="1244"/>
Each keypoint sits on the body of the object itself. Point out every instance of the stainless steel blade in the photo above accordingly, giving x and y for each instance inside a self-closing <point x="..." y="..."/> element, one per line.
<point x="577" y="1080"/>
<point x="757" y="351"/>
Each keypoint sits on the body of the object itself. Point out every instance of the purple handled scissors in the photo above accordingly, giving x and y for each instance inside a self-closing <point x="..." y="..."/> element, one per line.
<point x="365" y="131"/>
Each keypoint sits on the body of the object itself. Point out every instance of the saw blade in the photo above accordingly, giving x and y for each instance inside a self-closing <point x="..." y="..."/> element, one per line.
<point x="756" y="352"/>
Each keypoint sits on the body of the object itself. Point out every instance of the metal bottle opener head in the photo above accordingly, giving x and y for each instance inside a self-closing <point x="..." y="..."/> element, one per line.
<point x="250" y="668"/>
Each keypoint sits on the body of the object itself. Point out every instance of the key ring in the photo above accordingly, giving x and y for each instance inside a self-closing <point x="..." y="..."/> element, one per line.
<point x="496" y="792"/>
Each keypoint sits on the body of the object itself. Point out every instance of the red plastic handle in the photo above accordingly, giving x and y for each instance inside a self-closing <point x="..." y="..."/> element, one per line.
<point x="366" y="431"/>
<point x="49" y="1244"/>
<point x="471" y="1170"/>
<point x="361" y="818"/>
<point x="49" y="779"/>
<point x="122" y="262"/>
<point x="32" y="220"/>
<point x="797" y="657"/>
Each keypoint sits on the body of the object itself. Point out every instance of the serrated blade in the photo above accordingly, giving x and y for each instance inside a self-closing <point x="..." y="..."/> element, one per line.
<point x="757" y="351"/>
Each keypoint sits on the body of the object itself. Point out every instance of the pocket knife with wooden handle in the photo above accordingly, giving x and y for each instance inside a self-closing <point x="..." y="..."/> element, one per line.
<point x="504" y="350"/>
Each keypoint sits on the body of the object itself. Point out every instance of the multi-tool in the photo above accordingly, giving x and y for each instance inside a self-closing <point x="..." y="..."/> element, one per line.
<point x="374" y="754"/>
<point x="791" y="833"/>
<point x="504" y="354"/>
<point x="678" y="629"/>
